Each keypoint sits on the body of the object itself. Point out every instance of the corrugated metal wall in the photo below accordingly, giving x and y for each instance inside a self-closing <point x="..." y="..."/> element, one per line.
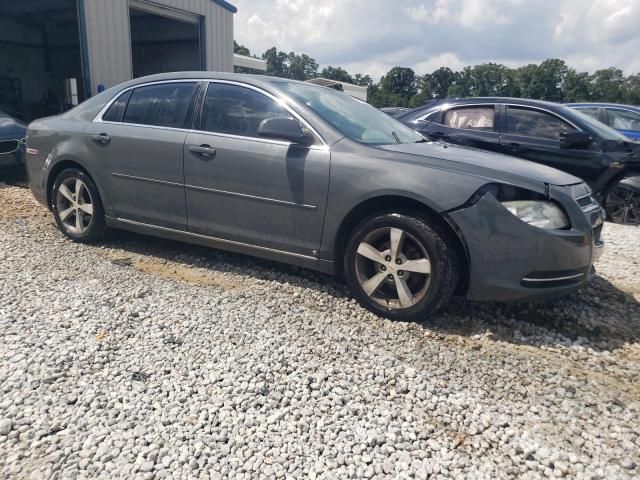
<point x="109" y="44"/>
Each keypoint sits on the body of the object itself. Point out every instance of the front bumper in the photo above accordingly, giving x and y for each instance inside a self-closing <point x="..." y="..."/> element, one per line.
<point x="511" y="260"/>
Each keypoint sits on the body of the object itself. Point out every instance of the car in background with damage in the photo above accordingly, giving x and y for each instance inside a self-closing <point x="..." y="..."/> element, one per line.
<point x="12" y="143"/>
<point x="547" y="133"/>
<point x="623" y="118"/>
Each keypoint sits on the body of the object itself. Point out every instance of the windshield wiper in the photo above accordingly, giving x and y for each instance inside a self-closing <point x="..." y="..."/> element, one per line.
<point x="422" y="140"/>
<point x="395" y="135"/>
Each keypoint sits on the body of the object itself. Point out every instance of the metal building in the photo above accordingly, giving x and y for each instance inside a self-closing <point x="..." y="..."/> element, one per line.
<point x="56" y="53"/>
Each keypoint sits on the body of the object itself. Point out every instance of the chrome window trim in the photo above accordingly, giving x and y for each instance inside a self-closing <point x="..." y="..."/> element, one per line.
<point x="280" y="101"/>
<point x="622" y="109"/>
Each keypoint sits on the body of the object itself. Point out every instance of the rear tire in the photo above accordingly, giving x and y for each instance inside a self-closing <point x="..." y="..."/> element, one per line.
<point x="400" y="266"/>
<point x="77" y="208"/>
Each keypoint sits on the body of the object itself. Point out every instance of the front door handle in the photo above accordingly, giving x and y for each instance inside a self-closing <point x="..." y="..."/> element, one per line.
<point x="204" y="151"/>
<point x="101" y="139"/>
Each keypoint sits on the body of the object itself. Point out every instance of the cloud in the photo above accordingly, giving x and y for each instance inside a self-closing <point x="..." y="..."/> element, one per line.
<point x="371" y="36"/>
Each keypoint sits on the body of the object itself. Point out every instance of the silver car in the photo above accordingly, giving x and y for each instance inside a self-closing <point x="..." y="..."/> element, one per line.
<point x="310" y="176"/>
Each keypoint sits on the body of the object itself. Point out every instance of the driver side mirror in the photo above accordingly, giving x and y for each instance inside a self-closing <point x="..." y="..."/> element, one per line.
<point x="575" y="139"/>
<point x="285" y="128"/>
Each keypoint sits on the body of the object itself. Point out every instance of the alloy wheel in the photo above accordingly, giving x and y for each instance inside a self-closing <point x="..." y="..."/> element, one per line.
<point x="623" y="205"/>
<point x="74" y="205"/>
<point x="393" y="268"/>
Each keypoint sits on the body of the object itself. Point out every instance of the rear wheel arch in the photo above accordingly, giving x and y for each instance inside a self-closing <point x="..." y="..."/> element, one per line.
<point x="398" y="204"/>
<point x="60" y="167"/>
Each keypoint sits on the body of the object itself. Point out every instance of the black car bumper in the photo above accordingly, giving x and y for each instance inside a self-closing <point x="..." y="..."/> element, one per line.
<point x="511" y="260"/>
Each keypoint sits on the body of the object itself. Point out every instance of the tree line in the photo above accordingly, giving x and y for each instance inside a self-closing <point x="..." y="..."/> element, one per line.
<point x="551" y="80"/>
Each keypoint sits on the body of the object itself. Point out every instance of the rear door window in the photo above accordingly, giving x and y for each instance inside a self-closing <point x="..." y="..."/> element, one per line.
<point x="471" y="118"/>
<point x="591" y="111"/>
<point x="623" y="119"/>
<point x="237" y="110"/>
<point x="534" y="123"/>
<point x="162" y="105"/>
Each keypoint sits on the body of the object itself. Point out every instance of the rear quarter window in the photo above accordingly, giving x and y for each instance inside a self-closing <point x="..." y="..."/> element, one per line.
<point x="162" y="105"/>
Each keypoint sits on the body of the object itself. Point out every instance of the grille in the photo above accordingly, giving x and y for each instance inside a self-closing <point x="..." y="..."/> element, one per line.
<point x="9" y="146"/>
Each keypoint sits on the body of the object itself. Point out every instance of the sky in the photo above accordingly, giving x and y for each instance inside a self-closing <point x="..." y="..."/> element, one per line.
<point x="372" y="36"/>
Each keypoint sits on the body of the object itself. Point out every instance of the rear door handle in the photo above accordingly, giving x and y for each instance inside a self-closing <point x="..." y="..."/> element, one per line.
<point x="101" y="139"/>
<point x="204" y="151"/>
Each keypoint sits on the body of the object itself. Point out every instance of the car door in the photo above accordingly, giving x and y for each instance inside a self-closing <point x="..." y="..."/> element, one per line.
<point x="625" y="121"/>
<point x="469" y="125"/>
<point x="138" y="143"/>
<point x="534" y="134"/>
<point x="257" y="191"/>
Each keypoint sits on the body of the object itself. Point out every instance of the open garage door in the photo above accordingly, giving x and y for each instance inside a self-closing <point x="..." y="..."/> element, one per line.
<point x="40" y="57"/>
<point x="163" y="40"/>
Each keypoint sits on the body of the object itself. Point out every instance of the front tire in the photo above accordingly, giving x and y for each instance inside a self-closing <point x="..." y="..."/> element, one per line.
<point x="622" y="201"/>
<point x="399" y="266"/>
<point x="76" y="206"/>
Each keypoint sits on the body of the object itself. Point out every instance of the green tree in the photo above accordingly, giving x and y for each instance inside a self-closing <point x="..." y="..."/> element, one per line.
<point x="575" y="87"/>
<point x="550" y="77"/>
<point x="441" y="80"/>
<point x="399" y="81"/>
<point x="290" y="65"/>
<point x="240" y="49"/>
<point x="633" y="89"/>
<point x="302" y="67"/>
<point x="277" y="62"/>
<point x="362" y="80"/>
<point x="607" y="85"/>
<point x="336" y="73"/>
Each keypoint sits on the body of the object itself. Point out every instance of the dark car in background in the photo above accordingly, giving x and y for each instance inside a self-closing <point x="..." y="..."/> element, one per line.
<point x="623" y="118"/>
<point x="547" y="133"/>
<point x="310" y="176"/>
<point x="12" y="143"/>
<point x="395" y="111"/>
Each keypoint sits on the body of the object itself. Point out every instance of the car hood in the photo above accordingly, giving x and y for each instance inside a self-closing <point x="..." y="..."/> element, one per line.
<point x="493" y="165"/>
<point x="10" y="128"/>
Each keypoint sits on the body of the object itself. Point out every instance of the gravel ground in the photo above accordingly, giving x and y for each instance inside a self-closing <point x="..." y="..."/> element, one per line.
<point x="143" y="358"/>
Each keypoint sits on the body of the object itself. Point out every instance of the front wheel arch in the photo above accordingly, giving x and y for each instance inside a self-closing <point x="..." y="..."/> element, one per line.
<point x="393" y="204"/>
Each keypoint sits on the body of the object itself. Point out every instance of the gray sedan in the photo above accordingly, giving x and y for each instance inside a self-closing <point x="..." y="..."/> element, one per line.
<point x="310" y="176"/>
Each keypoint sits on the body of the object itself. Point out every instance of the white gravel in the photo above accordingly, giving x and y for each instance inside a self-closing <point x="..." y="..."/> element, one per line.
<point x="143" y="358"/>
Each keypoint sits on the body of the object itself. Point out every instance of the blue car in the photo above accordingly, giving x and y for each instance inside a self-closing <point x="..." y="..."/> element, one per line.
<point x="12" y="143"/>
<point x="624" y="118"/>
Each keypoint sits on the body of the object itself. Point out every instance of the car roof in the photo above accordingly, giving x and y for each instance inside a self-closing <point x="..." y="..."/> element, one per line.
<point x="208" y="75"/>
<point x="604" y="105"/>
<point x="437" y="104"/>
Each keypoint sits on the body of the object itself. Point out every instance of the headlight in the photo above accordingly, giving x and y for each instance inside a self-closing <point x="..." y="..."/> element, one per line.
<point x="538" y="213"/>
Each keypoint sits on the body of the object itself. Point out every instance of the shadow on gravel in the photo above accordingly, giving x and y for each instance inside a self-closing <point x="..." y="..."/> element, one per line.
<point x="599" y="315"/>
<point x="222" y="261"/>
<point x="15" y="179"/>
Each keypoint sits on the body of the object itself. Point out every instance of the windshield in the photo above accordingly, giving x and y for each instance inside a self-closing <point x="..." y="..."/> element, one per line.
<point x="595" y="127"/>
<point x="354" y="118"/>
